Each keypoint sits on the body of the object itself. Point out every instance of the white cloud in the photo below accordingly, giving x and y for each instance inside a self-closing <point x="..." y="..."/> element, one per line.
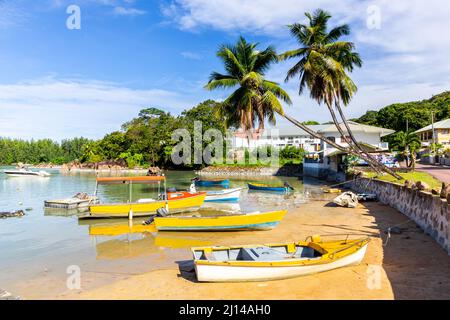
<point x="11" y="15"/>
<point x="262" y="16"/>
<point x="122" y="11"/>
<point x="65" y="108"/>
<point x="191" y="55"/>
<point x="406" y="59"/>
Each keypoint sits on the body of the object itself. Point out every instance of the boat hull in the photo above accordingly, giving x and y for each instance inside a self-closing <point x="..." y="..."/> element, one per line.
<point x="211" y="183"/>
<point x="231" y="195"/>
<point x="255" y="221"/>
<point x="26" y="174"/>
<point x="267" y="188"/>
<point x="122" y="210"/>
<point x="216" y="273"/>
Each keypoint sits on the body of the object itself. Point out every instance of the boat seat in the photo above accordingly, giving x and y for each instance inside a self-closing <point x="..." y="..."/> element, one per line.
<point x="260" y="254"/>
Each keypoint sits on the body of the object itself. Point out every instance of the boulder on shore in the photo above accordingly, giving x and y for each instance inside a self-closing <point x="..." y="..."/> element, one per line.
<point x="422" y="186"/>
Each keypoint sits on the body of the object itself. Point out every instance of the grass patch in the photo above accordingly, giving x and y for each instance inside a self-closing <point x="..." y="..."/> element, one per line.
<point x="411" y="176"/>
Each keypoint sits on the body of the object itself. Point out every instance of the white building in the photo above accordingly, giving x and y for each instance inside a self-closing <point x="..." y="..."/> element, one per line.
<point x="322" y="159"/>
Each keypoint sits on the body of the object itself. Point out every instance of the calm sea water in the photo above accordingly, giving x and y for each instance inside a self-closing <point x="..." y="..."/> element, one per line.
<point x="43" y="243"/>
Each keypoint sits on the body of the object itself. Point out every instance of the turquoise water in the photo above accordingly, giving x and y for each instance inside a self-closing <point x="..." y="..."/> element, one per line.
<point x="43" y="243"/>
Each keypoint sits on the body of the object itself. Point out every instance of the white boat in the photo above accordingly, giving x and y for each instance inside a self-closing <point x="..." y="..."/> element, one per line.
<point x="225" y="195"/>
<point x="275" y="261"/>
<point x="23" y="172"/>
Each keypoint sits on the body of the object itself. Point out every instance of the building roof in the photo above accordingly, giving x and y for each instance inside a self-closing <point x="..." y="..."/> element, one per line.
<point x="444" y="124"/>
<point x="290" y="130"/>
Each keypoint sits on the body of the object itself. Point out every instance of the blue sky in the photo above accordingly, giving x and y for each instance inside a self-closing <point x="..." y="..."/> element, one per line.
<point x="130" y="54"/>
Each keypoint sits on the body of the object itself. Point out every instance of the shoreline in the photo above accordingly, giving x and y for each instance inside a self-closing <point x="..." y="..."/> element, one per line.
<point x="404" y="267"/>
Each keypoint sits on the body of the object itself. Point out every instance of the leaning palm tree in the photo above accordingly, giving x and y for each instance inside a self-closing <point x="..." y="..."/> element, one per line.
<point x="322" y="68"/>
<point x="255" y="98"/>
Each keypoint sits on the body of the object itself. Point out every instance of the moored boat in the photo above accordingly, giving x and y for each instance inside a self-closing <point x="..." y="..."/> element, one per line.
<point x="173" y="201"/>
<point x="275" y="261"/>
<point x="266" y="187"/>
<point x="225" y="195"/>
<point x="211" y="182"/>
<point x="249" y="221"/>
<point x="24" y="172"/>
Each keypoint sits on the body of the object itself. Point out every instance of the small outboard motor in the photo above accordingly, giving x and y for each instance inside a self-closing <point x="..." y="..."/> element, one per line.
<point x="161" y="212"/>
<point x="287" y="185"/>
<point x="192" y="188"/>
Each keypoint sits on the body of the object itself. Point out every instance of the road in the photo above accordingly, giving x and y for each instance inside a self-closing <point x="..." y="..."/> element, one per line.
<point x="441" y="173"/>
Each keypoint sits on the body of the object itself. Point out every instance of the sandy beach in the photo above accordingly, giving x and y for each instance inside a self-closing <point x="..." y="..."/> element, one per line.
<point x="410" y="266"/>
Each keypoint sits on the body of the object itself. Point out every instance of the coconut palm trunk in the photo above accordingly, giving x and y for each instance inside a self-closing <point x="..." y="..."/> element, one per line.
<point x="322" y="68"/>
<point x="333" y="144"/>
<point x="357" y="151"/>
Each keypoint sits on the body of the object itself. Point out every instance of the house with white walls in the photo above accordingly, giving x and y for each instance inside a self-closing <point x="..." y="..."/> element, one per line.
<point x="321" y="159"/>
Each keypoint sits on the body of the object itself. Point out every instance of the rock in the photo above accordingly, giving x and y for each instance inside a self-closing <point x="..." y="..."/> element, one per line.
<point x="422" y="186"/>
<point x="445" y="190"/>
<point x="11" y="214"/>
<point x="409" y="184"/>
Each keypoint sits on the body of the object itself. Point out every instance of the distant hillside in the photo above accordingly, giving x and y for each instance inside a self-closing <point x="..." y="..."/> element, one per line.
<point x="417" y="113"/>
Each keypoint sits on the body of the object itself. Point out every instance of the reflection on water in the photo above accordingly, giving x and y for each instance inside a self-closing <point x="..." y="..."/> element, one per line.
<point x="52" y="239"/>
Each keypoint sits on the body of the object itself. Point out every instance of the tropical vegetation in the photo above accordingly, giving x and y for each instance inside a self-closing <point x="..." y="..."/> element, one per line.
<point x="407" y="144"/>
<point x="410" y="115"/>
<point x="39" y="151"/>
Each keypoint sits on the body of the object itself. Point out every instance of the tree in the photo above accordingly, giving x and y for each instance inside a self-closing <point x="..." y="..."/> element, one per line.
<point x="255" y="99"/>
<point x="322" y="68"/>
<point x="310" y="123"/>
<point x="407" y="143"/>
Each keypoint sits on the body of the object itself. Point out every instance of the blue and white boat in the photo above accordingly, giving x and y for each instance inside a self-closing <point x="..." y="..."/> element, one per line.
<point x="226" y="195"/>
<point x="264" y="187"/>
<point x="211" y="183"/>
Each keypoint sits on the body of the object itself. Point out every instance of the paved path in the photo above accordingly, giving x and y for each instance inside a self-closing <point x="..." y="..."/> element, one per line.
<point x="441" y="173"/>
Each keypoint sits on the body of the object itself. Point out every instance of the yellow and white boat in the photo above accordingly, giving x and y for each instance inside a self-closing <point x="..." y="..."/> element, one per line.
<point x="173" y="201"/>
<point x="275" y="261"/>
<point x="249" y="221"/>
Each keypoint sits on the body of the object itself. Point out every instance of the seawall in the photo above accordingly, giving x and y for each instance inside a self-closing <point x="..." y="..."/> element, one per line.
<point x="429" y="211"/>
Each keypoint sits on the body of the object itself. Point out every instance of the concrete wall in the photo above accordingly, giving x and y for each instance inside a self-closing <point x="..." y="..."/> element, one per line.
<point x="430" y="212"/>
<point x="317" y="170"/>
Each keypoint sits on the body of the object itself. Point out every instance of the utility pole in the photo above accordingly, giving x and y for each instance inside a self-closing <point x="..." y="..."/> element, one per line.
<point x="432" y="129"/>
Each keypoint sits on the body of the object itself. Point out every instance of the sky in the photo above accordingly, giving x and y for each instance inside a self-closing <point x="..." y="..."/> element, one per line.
<point x="57" y="81"/>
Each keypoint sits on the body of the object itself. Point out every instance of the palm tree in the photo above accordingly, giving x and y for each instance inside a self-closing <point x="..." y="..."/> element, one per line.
<point x="255" y="98"/>
<point x="407" y="143"/>
<point x="322" y="68"/>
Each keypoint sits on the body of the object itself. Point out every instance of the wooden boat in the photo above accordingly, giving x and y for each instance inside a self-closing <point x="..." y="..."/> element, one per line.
<point x="172" y="201"/>
<point x="275" y="261"/>
<point x="76" y="202"/>
<point x="225" y="195"/>
<point x="250" y="221"/>
<point x="266" y="187"/>
<point x="213" y="182"/>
